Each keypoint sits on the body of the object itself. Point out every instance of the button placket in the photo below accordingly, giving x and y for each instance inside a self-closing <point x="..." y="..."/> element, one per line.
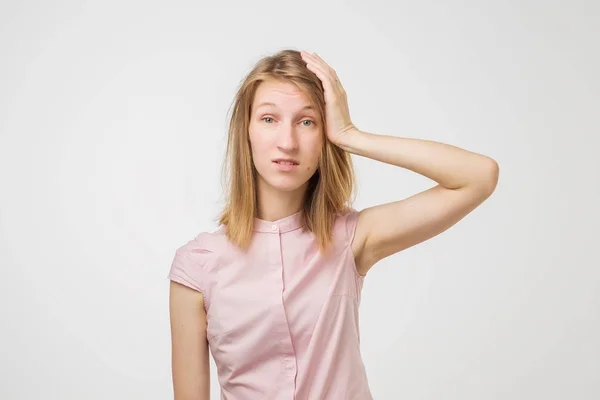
<point x="274" y="247"/>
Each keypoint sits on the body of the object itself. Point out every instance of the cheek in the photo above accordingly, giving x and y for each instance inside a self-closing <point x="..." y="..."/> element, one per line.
<point x="258" y="144"/>
<point x="315" y="147"/>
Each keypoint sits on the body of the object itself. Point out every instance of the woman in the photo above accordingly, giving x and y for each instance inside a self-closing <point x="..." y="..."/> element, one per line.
<point x="274" y="292"/>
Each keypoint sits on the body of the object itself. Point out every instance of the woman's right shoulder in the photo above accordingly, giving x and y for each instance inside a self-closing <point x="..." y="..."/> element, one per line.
<point x="196" y="260"/>
<point x="205" y="242"/>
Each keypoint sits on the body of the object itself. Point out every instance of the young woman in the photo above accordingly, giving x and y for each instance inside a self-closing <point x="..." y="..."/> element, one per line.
<point x="274" y="292"/>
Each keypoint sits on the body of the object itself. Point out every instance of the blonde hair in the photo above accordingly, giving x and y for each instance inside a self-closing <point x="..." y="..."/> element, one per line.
<point x="331" y="188"/>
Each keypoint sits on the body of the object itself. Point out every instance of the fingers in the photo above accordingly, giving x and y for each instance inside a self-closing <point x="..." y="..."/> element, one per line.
<point x="325" y="79"/>
<point x="332" y="72"/>
<point x="316" y="64"/>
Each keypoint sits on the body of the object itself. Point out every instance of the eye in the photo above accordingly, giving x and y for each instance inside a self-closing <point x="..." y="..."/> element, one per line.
<point x="262" y="119"/>
<point x="308" y="120"/>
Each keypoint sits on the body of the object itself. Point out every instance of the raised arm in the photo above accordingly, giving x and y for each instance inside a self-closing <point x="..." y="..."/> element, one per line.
<point x="464" y="180"/>
<point x="189" y="347"/>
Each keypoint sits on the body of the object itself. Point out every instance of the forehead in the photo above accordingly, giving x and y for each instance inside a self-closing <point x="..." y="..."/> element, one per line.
<point x="280" y="94"/>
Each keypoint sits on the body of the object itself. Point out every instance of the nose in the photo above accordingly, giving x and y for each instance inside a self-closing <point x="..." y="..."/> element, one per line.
<point x="286" y="138"/>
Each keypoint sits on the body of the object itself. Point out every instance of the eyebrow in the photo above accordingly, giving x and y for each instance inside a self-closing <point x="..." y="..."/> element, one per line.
<point x="268" y="103"/>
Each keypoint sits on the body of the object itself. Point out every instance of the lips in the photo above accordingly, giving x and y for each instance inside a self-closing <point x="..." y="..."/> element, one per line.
<point x="286" y="161"/>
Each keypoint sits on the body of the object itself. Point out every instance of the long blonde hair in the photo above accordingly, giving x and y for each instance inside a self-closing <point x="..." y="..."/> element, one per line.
<point x="330" y="190"/>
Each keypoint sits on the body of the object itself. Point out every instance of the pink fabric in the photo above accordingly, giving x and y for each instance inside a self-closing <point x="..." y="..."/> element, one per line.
<point x="282" y="320"/>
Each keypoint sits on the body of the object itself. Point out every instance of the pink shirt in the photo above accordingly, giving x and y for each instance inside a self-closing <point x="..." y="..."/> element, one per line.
<point x="282" y="320"/>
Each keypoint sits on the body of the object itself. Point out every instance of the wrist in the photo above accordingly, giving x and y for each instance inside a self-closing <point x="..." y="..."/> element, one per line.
<point x="351" y="140"/>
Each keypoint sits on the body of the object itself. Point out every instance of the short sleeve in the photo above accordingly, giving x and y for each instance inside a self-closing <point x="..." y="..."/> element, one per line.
<point x="190" y="266"/>
<point x="346" y="230"/>
<point x="345" y="227"/>
<point x="351" y="222"/>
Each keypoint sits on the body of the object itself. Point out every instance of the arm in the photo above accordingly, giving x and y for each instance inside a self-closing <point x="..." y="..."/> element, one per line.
<point x="464" y="180"/>
<point x="190" y="362"/>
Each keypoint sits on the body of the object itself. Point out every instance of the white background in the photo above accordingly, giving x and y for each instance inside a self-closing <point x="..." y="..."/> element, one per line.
<point x="112" y="131"/>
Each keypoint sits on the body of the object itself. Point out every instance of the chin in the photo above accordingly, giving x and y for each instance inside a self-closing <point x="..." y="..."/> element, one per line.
<point x="285" y="184"/>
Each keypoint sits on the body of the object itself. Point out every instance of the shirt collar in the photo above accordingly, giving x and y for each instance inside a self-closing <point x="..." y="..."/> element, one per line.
<point x="282" y="225"/>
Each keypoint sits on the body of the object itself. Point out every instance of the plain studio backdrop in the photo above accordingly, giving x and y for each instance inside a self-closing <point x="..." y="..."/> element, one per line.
<point x="112" y="132"/>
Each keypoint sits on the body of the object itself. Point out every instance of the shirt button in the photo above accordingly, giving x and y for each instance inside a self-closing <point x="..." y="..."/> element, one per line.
<point x="273" y="227"/>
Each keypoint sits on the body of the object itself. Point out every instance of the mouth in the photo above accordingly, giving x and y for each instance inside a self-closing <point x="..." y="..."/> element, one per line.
<point x="285" y="161"/>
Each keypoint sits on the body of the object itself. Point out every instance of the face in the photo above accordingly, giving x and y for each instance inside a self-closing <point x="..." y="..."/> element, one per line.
<point x="285" y="136"/>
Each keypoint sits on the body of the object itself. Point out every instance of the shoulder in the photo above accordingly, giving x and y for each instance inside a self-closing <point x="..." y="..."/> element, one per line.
<point x="200" y="246"/>
<point x="194" y="261"/>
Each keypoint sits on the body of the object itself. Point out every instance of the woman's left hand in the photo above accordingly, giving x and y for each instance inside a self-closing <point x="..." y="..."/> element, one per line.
<point x="338" y="122"/>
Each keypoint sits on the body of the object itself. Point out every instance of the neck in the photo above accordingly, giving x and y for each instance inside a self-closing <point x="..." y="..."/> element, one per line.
<point x="275" y="204"/>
